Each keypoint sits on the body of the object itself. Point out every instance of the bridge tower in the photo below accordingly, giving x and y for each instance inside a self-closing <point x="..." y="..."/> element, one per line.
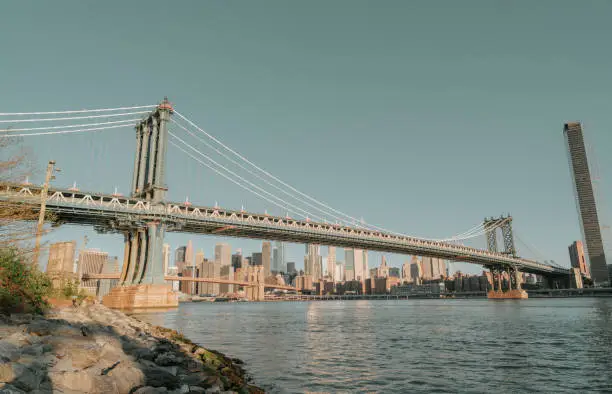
<point x="505" y="225"/>
<point x="142" y="275"/>
<point x="514" y="290"/>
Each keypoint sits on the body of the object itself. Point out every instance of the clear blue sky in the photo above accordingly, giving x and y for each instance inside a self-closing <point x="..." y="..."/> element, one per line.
<point x="421" y="116"/>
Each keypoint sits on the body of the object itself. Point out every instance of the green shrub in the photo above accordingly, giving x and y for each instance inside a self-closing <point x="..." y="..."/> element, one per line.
<point x="23" y="288"/>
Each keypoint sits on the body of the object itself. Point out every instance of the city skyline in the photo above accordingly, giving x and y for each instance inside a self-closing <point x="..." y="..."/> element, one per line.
<point x="483" y="118"/>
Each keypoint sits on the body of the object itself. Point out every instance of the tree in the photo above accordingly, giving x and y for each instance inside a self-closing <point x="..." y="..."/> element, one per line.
<point x="17" y="220"/>
<point x="23" y="288"/>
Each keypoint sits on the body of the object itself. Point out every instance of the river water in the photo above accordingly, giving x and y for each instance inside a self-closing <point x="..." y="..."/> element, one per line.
<point x="410" y="346"/>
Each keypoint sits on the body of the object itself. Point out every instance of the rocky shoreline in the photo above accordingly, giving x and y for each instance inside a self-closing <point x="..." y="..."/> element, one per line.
<point x="95" y="349"/>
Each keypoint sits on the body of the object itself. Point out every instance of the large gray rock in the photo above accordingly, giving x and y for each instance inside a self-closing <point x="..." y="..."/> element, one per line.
<point x="168" y="359"/>
<point x="158" y="377"/>
<point x="21" y="376"/>
<point x="74" y="381"/>
<point x="9" y="389"/>
<point x="151" y="390"/>
<point x="9" y="351"/>
<point x="126" y="377"/>
<point x="40" y="328"/>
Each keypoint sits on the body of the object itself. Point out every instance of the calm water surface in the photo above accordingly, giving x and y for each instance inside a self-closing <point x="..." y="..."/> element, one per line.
<point x="424" y="346"/>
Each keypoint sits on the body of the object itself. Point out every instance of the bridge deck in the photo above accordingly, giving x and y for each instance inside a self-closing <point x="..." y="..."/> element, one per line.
<point x="116" y="213"/>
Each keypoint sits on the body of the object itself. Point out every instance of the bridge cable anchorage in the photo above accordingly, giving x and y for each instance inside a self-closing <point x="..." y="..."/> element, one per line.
<point x="258" y="176"/>
<point x="350" y="218"/>
<point x="72" y="117"/>
<point x="69" y="126"/>
<point x="6" y="135"/>
<point x="79" y="111"/>
<point x="285" y="207"/>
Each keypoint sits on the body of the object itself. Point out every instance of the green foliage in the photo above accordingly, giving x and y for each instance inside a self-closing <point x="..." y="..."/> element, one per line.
<point x="23" y="288"/>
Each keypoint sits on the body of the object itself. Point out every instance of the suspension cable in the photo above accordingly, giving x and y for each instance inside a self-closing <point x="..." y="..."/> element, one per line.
<point x="68" y="126"/>
<point x="5" y="135"/>
<point x="71" y="118"/>
<point x="277" y="179"/>
<point x="225" y="176"/>
<point x="308" y="214"/>
<point x="259" y="176"/>
<point x="80" y="111"/>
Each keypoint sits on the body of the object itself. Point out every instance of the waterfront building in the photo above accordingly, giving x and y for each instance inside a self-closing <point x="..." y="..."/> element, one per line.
<point x="416" y="270"/>
<point x="226" y="272"/>
<point x="339" y="272"/>
<point x="91" y="261"/>
<point x="60" y="267"/>
<point x="110" y="266"/>
<point x="577" y="259"/>
<point x="586" y="204"/>
<point x="173" y="271"/>
<point x="406" y="275"/>
<point x="166" y="257"/>
<point x="383" y="270"/>
<point x="349" y="274"/>
<point x="576" y="278"/>
<point x="266" y="255"/>
<point x="256" y="259"/>
<point x="354" y="259"/>
<point x="179" y="256"/>
<point x="426" y="267"/>
<point x="303" y="282"/>
<point x="366" y="269"/>
<point x="278" y="258"/>
<point x="237" y="260"/>
<point x="210" y="269"/>
<point x="330" y="266"/>
<point x="313" y="261"/>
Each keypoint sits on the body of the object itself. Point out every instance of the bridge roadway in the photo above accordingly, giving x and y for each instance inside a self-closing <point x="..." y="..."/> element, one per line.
<point x="190" y="279"/>
<point x="115" y="213"/>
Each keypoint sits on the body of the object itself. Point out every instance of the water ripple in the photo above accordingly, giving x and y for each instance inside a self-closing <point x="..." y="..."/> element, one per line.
<point x="417" y="346"/>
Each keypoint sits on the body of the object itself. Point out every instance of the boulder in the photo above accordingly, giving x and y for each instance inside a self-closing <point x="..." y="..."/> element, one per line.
<point x="21" y="376"/>
<point x="39" y="327"/>
<point x="9" y="351"/>
<point x="126" y="377"/>
<point x="74" y="381"/>
<point x="151" y="390"/>
<point x="168" y="359"/>
<point x="9" y="389"/>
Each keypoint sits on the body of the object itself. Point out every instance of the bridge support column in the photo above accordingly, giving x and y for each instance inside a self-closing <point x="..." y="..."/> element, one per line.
<point x="498" y="291"/>
<point x="143" y="283"/>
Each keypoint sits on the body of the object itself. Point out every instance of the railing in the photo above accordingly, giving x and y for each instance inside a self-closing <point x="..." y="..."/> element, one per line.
<point x="65" y="201"/>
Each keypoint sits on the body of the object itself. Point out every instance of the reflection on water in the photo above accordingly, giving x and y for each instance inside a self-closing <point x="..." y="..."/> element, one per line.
<point x="545" y="345"/>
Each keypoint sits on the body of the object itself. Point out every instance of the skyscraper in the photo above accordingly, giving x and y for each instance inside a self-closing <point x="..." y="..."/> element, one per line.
<point x="585" y="202"/>
<point x="576" y="252"/>
<point x="266" y="254"/>
<point x="166" y="258"/>
<point x="330" y="266"/>
<point x="291" y="267"/>
<point x="223" y="257"/>
<point x="91" y="261"/>
<point x="278" y="258"/>
<point x="60" y="267"/>
<point x="313" y="261"/>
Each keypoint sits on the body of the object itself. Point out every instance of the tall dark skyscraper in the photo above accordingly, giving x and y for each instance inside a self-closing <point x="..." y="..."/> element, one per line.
<point x="585" y="201"/>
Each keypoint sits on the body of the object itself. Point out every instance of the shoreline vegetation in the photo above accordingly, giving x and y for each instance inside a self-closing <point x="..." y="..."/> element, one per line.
<point x="94" y="349"/>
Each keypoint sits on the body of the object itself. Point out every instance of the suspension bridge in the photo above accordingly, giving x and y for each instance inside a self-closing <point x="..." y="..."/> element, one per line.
<point x="145" y="215"/>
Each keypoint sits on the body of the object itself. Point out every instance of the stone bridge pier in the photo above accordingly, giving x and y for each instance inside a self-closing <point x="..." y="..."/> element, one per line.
<point x="255" y="275"/>
<point x="506" y="284"/>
